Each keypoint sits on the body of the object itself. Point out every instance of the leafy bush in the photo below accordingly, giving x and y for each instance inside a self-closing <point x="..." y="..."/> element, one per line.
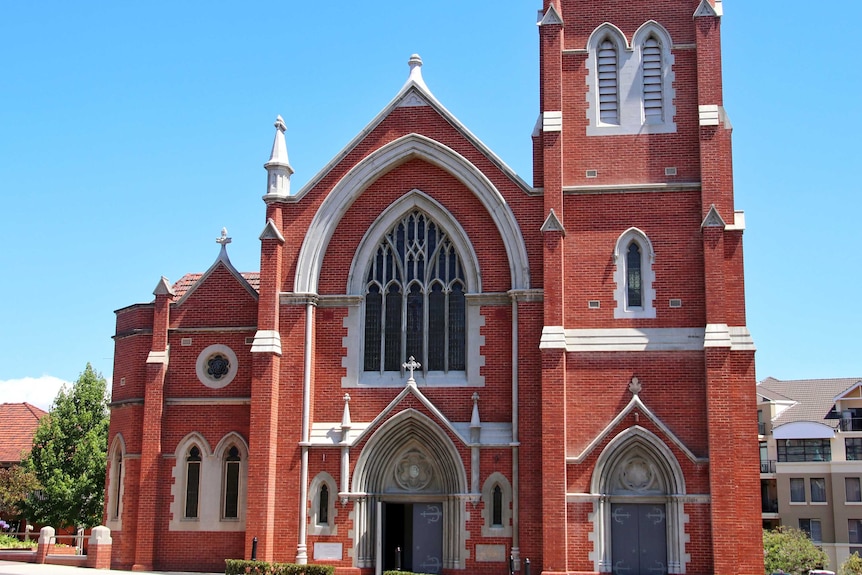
<point x="853" y="566"/>
<point x="790" y="550"/>
<point x="242" y="567"/>
<point x="9" y="542"/>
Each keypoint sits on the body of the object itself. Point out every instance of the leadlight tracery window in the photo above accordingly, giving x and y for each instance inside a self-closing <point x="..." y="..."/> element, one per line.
<point x="231" y="483"/>
<point x="193" y="482"/>
<point x="414" y="299"/>
<point x="633" y="276"/>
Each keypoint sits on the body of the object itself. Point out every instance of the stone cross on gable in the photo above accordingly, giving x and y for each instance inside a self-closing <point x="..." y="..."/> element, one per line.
<point x="223" y="240"/>
<point x="411" y="365"/>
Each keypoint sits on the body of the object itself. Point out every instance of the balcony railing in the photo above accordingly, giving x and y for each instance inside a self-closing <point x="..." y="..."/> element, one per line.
<point x="851" y="424"/>
<point x="769" y="506"/>
<point x="767" y="466"/>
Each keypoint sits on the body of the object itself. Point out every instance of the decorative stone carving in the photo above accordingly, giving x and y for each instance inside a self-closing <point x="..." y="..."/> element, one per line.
<point x="413" y="472"/>
<point x="638" y="475"/>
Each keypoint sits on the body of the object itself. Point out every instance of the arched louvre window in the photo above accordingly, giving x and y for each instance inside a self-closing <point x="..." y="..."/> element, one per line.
<point x="231" y="483"/>
<point x="193" y="482"/>
<point x="414" y="299"/>
<point x="633" y="276"/>
<point x="609" y="89"/>
<point x="652" y="82"/>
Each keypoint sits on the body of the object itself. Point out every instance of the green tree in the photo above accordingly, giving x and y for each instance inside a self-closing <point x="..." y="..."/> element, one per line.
<point x="792" y="551"/>
<point x="69" y="456"/>
<point x="16" y="483"/>
<point x="852" y="566"/>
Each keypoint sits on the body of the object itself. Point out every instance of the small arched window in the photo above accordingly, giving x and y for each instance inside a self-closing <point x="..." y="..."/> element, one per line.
<point x="323" y="505"/>
<point x="193" y="482"/>
<point x="232" y="463"/>
<point x="497" y="507"/>
<point x="116" y="492"/>
<point x="609" y="87"/>
<point x="414" y="299"/>
<point x="634" y="284"/>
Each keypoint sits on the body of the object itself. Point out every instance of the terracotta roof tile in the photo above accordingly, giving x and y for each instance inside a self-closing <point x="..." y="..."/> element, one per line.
<point x="18" y="423"/>
<point x="186" y="282"/>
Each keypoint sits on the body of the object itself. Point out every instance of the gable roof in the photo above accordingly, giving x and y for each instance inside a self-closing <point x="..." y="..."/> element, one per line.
<point x="188" y="281"/>
<point x="813" y="399"/>
<point x="18" y="424"/>
<point x="414" y="93"/>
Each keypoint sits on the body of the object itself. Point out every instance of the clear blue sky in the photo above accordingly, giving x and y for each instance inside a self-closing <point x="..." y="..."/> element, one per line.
<point x="132" y="132"/>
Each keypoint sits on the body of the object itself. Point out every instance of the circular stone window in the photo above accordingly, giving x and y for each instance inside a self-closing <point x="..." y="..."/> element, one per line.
<point x="216" y="366"/>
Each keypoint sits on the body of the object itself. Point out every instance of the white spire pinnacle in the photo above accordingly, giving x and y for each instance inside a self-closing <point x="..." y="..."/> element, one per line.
<point x="278" y="166"/>
<point x="415" y="64"/>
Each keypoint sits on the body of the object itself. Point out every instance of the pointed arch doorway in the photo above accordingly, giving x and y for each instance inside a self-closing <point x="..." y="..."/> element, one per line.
<point x="639" y="524"/>
<point x="413" y="484"/>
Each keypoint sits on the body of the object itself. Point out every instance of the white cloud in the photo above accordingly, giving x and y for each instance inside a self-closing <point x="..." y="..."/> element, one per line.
<point x="39" y="391"/>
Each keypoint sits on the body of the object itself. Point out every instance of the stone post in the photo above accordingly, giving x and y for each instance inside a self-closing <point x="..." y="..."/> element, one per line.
<point x="46" y="544"/>
<point x="99" y="551"/>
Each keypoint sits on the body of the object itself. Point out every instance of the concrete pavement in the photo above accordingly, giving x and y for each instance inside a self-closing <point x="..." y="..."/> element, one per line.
<point x="15" y="568"/>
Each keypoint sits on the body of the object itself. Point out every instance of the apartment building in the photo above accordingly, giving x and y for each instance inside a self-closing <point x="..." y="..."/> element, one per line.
<point x="810" y="434"/>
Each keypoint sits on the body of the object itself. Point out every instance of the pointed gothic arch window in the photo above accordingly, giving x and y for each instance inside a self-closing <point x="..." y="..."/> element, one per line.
<point x="653" y="96"/>
<point x="609" y="85"/>
<point x="322" y="494"/>
<point x="414" y="299"/>
<point x="634" y="276"/>
<point x="232" y="467"/>
<point x="193" y="482"/>
<point x="116" y="480"/>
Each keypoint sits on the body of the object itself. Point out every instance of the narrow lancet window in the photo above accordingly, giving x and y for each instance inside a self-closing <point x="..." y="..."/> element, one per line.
<point x="633" y="276"/>
<point x="231" y="484"/>
<point x="193" y="482"/>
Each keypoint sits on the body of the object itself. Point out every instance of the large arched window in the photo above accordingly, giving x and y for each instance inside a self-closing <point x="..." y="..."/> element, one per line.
<point x="414" y="299"/>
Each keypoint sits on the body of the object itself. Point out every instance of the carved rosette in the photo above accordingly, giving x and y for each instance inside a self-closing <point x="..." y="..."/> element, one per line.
<point x="413" y="472"/>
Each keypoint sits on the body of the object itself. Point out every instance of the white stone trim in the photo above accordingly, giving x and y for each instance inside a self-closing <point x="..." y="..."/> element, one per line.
<point x="639" y="442"/>
<point x="201" y="366"/>
<point x="314" y="526"/>
<point x="643" y="339"/>
<point x="630" y="81"/>
<point x="717" y="335"/>
<point x="552" y="122"/>
<point x="647" y="308"/>
<point x="504" y="530"/>
<point x="116" y="483"/>
<point x="379" y="162"/>
<point x="211" y="492"/>
<point x="267" y="341"/>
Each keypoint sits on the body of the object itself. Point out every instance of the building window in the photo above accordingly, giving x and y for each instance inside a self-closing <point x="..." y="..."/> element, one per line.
<point x="193" y="482"/>
<point x="231" y="483"/>
<point x="321" y="499"/>
<point x="609" y="88"/>
<point x="854" y="528"/>
<point x="630" y="87"/>
<point x="414" y="300"/>
<point x="797" y="490"/>
<point x="653" y="100"/>
<point x="853" y="448"/>
<point x="323" y="506"/>
<point x="634" y="275"/>
<point x="497" y="506"/>
<point x="116" y="480"/>
<point x="852" y="490"/>
<point x="812" y="529"/>
<point x="795" y="450"/>
<point x="818" y="490"/>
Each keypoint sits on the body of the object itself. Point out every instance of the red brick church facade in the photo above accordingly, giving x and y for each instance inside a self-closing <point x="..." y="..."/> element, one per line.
<point x="443" y="365"/>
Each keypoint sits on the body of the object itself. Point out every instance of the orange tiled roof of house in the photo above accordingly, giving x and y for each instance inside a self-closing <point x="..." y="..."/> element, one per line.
<point x="18" y="423"/>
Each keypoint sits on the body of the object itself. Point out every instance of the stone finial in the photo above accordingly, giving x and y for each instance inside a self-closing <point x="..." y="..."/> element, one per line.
<point x="278" y="166"/>
<point x="474" y="419"/>
<point x="635" y="386"/>
<point x="411" y="365"/>
<point x="223" y="239"/>
<point x="415" y="63"/>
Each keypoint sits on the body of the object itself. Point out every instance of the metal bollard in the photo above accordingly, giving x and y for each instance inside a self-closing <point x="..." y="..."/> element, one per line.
<point x="254" y="549"/>
<point x="511" y="565"/>
<point x="398" y="558"/>
<point x="527" y="566"/>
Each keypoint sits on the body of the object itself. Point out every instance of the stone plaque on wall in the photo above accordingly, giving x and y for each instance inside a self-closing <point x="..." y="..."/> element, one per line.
<point x="327" y="551"/>
<point x="491" y="553"/>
